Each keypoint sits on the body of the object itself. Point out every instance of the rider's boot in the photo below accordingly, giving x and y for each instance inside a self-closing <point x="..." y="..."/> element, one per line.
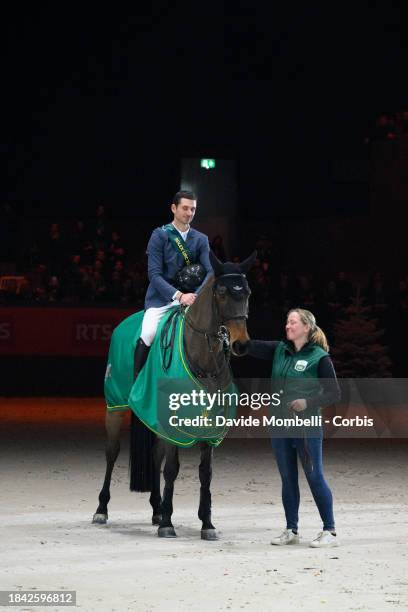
<point x="141" y="353"/>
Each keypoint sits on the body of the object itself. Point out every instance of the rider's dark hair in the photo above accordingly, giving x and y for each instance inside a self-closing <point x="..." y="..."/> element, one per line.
<point x="188" y="195"/>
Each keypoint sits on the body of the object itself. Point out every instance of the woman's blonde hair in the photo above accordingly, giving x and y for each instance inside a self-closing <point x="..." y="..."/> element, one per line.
<point x="316" y="335"/>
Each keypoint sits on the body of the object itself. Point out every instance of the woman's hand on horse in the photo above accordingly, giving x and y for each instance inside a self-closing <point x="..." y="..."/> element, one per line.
<point x="298" y="405"/>
<point x="187" y="299"/>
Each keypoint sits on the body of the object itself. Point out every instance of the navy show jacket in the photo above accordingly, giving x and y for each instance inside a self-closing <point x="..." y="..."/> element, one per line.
<point x="164" y="263"/>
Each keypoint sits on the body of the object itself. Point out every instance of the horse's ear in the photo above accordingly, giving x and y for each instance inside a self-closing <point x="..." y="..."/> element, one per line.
<point x="216" y="264"/>
<point x="248" y="263"/>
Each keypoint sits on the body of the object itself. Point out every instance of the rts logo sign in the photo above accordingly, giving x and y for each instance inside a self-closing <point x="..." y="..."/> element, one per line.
<point x="86" y="333"/>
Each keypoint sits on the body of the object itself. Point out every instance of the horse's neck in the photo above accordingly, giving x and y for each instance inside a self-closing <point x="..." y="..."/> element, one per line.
<point x="204" y="320"/>
<point x="202" y="313"/>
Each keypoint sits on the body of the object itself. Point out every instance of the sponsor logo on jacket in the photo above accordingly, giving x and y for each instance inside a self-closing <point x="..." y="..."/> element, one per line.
<point x="301" y="365"/>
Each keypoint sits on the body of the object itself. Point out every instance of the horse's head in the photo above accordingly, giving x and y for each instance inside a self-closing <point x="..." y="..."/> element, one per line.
<point x="231" y="294"/>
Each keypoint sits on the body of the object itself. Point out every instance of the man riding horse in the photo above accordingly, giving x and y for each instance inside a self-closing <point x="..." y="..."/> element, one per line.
<point x="193" y="343"/>
<point x="171" y="248"/>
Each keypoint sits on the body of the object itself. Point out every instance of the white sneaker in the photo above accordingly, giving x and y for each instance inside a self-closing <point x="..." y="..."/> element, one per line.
<point x="324" y="539"/>
<point x="286" y="537"/>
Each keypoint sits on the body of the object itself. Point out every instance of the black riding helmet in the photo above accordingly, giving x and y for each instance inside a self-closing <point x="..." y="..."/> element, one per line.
<point x="190" y="277"/>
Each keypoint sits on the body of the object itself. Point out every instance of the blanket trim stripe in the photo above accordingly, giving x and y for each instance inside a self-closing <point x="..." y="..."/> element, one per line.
<point x="215" y="441"/>
<point x="117" y="408"/>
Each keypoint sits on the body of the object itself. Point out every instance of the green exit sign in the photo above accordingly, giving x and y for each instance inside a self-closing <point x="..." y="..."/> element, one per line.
<point x="208" y="164"/>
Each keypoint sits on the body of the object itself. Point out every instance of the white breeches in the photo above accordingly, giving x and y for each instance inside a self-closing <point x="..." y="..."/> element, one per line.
<point x="151" y="320"/>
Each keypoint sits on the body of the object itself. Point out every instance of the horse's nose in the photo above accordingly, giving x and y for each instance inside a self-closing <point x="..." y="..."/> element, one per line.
<point x="238" y="336"/>
<point x="239" y="349"/>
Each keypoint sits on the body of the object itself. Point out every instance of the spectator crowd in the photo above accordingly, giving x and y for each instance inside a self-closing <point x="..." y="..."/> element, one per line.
<point x="90" y="264"/>
<point x="82" y="263"/>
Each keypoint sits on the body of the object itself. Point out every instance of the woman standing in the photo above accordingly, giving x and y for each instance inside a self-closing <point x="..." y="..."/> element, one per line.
<point x="302" y="357"/>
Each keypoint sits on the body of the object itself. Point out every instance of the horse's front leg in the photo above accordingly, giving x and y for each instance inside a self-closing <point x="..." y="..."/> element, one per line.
<point x="155" y="497"/>
<point x="113" y="424"/>
<point x="208" y="531"/>
<point x="170" y="472"/>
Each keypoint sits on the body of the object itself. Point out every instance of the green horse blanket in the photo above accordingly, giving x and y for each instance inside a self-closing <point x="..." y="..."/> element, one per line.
<point x="168" y="399"/>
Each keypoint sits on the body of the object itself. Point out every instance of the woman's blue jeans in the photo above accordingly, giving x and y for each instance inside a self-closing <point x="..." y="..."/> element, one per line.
<point x="286" y="453"/>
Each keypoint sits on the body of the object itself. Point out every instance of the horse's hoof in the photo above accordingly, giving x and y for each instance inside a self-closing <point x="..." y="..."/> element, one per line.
<point x="209" y="534"/>
<point x="156" y="519"/>
<point x="99" y="519"/>
<point x="166" y="532"/>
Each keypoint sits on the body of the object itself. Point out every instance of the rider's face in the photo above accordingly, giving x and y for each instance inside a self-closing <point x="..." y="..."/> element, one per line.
<point x="185" y="211"/>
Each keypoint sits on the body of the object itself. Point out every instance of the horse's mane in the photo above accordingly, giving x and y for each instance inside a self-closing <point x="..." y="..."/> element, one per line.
<point x="205" y="293"/>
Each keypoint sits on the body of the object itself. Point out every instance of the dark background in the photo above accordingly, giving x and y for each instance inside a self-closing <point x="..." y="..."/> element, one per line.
<point x="101" y="104"/>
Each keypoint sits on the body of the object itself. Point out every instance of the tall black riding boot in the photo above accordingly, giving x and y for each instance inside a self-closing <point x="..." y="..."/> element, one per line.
<point x="141" y="353"/>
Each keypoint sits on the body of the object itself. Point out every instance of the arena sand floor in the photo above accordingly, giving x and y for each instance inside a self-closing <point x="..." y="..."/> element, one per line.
<point x="52" y="467"/>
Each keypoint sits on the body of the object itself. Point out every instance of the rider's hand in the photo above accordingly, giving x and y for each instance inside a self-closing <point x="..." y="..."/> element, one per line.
<point x="187" y="299"/>
<point x="298" y="405"/>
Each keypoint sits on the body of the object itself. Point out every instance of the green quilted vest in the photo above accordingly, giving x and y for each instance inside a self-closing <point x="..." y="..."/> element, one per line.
<point x="295" y="374"/>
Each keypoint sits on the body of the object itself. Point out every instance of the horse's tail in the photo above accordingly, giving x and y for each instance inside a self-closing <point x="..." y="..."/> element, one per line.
<point x="140" y="456"/>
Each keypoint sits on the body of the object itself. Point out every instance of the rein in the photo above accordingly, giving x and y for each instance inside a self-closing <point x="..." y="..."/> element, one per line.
<point x="223" y="336"/>
<point x="212" y="339"/>
<point x="166" y="340"/>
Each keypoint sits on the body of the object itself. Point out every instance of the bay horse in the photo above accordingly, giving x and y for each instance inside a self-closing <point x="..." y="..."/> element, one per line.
<point x="214" y="327"/>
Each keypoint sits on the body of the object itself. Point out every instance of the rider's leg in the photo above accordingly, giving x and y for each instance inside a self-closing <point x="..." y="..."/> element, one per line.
<point x="143" y="474"/>
<point x="150" y="322"/>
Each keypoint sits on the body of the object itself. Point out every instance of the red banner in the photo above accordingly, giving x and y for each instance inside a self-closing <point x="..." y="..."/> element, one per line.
<point x="58" y="331"/>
